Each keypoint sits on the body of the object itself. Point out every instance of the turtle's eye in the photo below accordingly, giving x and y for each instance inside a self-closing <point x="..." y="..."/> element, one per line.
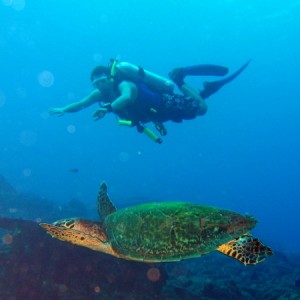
<point x="67" y="223"/>
<point x="70" y="224"/>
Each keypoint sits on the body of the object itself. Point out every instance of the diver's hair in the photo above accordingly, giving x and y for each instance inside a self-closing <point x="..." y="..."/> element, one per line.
<point x="98" y="71"/>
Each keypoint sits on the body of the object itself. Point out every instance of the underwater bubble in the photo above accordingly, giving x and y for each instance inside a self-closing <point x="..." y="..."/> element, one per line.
<point x="7" y="239"/>
<point x="18" y="4"/>
<point x="27" y="172"/>
<point x="28" y="138"/>
<point x="71" y="129"/>
<point x="124" y="157"/>
<point x="153" y="274"/>
<point x="46" y="79"/>
<point x="2" y="99"/>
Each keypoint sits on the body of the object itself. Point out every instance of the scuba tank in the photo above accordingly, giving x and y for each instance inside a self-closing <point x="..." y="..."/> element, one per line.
<point x="128" y="71"/>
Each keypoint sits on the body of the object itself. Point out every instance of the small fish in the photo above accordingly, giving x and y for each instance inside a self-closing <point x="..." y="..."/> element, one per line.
<point x="74" y="170"/>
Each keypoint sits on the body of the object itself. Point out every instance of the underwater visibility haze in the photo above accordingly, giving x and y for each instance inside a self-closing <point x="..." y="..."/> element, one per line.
<point x="242" y="155"/>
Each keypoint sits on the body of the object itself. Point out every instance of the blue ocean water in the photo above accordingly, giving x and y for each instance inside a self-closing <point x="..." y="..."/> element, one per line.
<point x="242" y="155"/>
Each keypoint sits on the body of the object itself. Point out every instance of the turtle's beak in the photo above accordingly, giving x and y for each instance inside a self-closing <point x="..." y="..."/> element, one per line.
<point x="54" y="231"/>
<point x="69" y="235"/>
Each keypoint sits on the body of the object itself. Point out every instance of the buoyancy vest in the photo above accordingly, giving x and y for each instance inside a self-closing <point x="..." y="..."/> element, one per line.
<point x="144" y="108"/>
<point x="150" y="87"/>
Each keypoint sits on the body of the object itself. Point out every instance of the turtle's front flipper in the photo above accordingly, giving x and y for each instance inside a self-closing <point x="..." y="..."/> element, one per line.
<point x="247" y="249"/>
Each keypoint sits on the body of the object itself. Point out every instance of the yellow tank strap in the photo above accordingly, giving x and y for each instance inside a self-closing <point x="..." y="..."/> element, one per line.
<point x="113" y="68"/>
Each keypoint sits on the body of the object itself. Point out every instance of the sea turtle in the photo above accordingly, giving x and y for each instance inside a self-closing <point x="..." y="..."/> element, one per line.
<point x="163" y="232"/>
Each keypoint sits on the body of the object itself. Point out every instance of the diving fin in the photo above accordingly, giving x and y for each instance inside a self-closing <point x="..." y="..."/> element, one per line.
<point x="177" y="75"/>
<point x="213" y="86"/>
<point x="205" y="70"/>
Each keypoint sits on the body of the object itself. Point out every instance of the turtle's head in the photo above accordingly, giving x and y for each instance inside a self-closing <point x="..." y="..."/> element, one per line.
<point x="80" y="232"/>
<point x="239" y="224"/>
<point x="91" y="228"/>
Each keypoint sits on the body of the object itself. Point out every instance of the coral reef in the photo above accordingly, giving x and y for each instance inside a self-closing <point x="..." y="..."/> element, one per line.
<point x="35" y="266"/>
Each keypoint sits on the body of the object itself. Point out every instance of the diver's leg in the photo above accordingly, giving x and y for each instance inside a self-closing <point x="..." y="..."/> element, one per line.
<point x="213" y="86"/>
<point x="188" y="91"/>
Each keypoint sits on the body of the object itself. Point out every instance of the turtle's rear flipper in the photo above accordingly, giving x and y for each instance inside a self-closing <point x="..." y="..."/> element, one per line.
<point x="247" y="249"/>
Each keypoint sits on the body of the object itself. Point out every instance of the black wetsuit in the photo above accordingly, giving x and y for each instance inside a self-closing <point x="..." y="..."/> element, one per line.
<point x="175" y="107"/>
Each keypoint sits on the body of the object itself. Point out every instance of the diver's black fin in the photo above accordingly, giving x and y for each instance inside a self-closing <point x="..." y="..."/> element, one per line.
<point x="213" y="86"/>
<point x="178" y="74"/>
<point x="105" y="206"/>
<point x="205" y="70"/>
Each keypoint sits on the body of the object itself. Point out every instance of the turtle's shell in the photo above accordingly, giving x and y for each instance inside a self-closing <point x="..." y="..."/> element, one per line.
<point x="171" y="231"/>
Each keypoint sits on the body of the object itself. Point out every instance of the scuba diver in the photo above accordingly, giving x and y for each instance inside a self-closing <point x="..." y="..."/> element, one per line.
<point x="138" y="96"/>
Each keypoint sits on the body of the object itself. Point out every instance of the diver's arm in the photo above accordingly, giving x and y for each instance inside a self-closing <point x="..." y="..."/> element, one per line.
<point x="128" y="94"/>
<point x="93" y="97"/>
